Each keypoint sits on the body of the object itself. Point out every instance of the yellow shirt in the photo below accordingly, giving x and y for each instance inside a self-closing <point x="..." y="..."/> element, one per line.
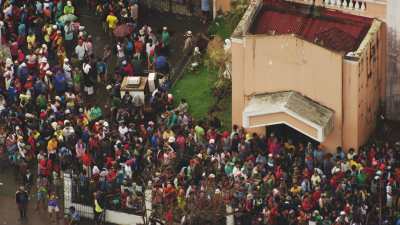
<point x="52" y="145"/>
<point x="97" y="207"/>
<point x="31" y="39"/>
<point x="295" y="190"/>
<point x="167" y="135"/>
<point x="112" y="21"/>
<point x="48" y="31"/>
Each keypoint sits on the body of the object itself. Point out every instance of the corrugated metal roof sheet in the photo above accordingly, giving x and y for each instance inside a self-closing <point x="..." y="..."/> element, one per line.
<point x="331" y="29"/>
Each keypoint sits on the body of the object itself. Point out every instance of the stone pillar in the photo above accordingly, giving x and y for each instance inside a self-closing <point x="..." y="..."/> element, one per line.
<point x="148" y="197"/>
<point x="230" y="218"/>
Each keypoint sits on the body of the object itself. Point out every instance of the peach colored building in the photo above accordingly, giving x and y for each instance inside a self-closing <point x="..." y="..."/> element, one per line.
<point x="387" y="11"/>
<point x="320" y="72"/>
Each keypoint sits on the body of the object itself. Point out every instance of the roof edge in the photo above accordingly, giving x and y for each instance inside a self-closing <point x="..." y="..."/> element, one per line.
<point x="374" y="28"/>
<point x="247" y="19"/>
<point x="341" y="53"/>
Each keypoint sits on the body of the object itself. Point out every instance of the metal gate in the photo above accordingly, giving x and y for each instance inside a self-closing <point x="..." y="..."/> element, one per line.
<point x="181" y="7"/>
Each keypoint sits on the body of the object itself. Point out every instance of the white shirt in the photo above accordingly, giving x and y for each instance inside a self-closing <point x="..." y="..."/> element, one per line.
<point x="80" y="51"/>
<point x="122" y="130"/>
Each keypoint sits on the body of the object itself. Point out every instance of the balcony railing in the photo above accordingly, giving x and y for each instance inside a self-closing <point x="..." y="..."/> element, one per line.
<point x="342" y="4"/>
<point x="348" y="4"/>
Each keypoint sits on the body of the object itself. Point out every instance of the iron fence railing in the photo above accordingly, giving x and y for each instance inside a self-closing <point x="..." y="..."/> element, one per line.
<point x="181" y="7"/>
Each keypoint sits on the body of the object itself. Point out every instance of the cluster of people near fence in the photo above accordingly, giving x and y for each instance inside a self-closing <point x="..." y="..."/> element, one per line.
<point x="194" y="168"/>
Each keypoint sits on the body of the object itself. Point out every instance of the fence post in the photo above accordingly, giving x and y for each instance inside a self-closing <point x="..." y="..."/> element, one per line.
<point x="148" y="200"/>
<point x="67" y="191"/>
<point x="230" y="218"/>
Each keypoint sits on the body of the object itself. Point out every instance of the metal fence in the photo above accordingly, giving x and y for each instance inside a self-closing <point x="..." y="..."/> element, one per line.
<point x="181" y="7"/>
<point x="79" y="193"/>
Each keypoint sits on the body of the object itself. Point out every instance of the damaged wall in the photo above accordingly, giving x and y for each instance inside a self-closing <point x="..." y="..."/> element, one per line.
<point x="393" y="67"/>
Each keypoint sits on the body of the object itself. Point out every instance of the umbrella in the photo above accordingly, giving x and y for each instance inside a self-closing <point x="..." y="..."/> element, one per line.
<point x="161" y="63"/>
<point x="67" y="18"/>
<point x="123" y="30"/>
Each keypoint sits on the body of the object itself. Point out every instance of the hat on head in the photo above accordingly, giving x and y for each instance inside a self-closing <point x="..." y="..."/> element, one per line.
<point x="189" y="33"/>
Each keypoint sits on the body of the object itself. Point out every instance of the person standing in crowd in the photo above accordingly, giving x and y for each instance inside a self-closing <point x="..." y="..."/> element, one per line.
<point x="112" y="22"/>
<point x="98" y="205"/>
<point x="134" y="11"/>
<point x="53" y="207"/>
<point x="80" y="51"/>
<point x="165" y="39"/>
<point x="68" y="37"/>
<point x="22" y="199"/>
<point x="188" y="41"/>
<point x="69" y="9"/>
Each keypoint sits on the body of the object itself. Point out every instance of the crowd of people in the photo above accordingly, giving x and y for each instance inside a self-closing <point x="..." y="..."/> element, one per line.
<point x="194" y="168"/>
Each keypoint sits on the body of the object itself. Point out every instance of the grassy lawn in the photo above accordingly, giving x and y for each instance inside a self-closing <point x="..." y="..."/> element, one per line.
<point x="196" y="88"/>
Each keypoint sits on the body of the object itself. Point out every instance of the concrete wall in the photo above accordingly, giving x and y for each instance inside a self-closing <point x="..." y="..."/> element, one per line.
<point x="393" y="79"/>
<point x="350" y="115"/>
<point x="223" y="5"/>
<point x="371" y="80"/>
<point x="275" y="63"/>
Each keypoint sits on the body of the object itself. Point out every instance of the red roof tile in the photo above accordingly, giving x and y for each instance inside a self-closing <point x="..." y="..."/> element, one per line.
<point x="331" y="29"/>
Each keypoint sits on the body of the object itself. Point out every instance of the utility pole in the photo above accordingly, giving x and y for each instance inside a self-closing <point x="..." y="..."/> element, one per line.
<point x="1" y="33"/>
<point x="380" y="201"/>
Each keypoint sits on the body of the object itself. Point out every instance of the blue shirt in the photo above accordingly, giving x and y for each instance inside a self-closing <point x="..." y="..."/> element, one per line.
<point x="22" y="29"/>
<point x="205" y="5"/>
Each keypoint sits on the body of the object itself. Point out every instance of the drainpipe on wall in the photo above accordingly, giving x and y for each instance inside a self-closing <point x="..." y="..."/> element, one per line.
<point x="214" y="9"/>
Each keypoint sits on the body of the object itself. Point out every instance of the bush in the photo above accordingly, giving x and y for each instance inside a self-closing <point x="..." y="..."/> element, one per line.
<point x="215" y="53"/>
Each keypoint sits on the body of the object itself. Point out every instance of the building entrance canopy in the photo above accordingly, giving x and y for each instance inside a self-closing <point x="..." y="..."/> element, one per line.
<point x="290" y="108"/>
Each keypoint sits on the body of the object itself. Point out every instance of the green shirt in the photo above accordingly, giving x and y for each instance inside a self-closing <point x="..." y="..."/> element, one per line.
<point x="77" y="78"/>
<point x="199" y="132"/>
<point x="69" y="10"/>
<point x="165" y="38"/>
<point x="41" y="102"/>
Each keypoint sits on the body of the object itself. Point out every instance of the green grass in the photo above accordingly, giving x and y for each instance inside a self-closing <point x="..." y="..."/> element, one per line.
<point x="196" y="88"/>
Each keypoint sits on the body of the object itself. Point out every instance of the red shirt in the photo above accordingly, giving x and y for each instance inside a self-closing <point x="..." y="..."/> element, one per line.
<point x="138" y="46"/>
<point x="86" y="160"/>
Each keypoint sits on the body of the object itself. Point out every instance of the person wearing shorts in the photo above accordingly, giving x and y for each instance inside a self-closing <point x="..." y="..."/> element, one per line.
<point x="41" y="197"/>
<point x="53" y="207"/>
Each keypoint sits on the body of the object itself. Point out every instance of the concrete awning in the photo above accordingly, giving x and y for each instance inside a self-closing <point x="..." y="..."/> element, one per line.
<point x="290" y="108"/>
